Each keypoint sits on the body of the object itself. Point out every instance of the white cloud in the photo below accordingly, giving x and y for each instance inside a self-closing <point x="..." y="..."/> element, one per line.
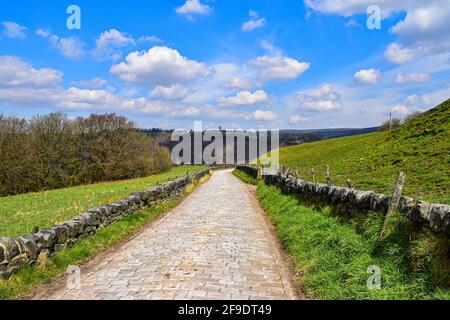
<point x="261" y="115"/>
<point x="322" y="98"/>
<point x="79" y="99"/>
<point x="215" y="85"/>
<point x="193" y="7"/>
<point x="270" y="48"/>
<point x="279" y="67"/>
<point x="298" y="119"/>
<point x="426" y="25"/>
<point x="413" y="103"/>
<point x="245" y="98"/>
<point x="397" y="54"/>
<point x="13" y="30"/>
<point x="187" y="112"/>
<point x="419" y="102"/>
<point x="92" y="83"/>
<point x="43" y="33"/>
<point x="71" y="47"/>
<point x="412" y="77"/>
<point x="174" y="92"/>
<point x="255" y="22"/>
<point x="16" y="72"/>
<point x="368" y="76"/>
<point x="239" y="83"/>
<point x="158" y="66"/>
<point x="423" y="29"/>
<point x="400" y="109"/>
<point x="352" y="7"/>
<point x="109" y="43"/>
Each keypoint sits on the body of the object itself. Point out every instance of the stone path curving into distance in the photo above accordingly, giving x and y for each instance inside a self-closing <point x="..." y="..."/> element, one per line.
<point x="215" y="245"/>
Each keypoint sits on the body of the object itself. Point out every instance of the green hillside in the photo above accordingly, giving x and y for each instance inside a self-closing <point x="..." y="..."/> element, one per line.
<point x="420" y="148"/>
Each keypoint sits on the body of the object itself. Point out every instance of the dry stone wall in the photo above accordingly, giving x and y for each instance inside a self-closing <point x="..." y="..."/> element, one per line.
<point x="20" y="251"/>
<point x="436" y="216"/>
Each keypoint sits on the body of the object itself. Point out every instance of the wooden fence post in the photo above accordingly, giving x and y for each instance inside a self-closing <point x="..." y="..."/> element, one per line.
<point x="313" y="175"/>
<point x="329" y="182"/>
<point x="351" y="184"/>
<point x="395" y="200"/>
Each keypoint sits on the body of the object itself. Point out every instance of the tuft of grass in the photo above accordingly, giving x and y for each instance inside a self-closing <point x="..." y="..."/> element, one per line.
<point x="19" y="214"/>
<point x="245" y="177"/>
<point x="332" y="253"/>
<point x="30" y="277"/>
<point x="420" y="148"/>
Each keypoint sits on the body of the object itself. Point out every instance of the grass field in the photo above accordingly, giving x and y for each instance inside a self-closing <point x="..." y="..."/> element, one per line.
<point x="26" y="279"/>
<point x="19" y="214"/>
<point x="420" y="148"/>
<point x="331" y="254"/>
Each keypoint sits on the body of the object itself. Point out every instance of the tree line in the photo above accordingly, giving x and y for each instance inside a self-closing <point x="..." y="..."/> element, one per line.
<point x="54" y="151"/>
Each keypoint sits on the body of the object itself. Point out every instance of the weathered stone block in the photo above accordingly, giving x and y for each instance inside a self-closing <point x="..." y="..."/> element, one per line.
<point x="438" y="214"/>
<point x="49" y="238"/>
<point x="30" y="247"/>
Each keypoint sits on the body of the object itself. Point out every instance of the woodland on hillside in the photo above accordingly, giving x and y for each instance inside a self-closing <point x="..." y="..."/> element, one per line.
<point x="53" y="151"/>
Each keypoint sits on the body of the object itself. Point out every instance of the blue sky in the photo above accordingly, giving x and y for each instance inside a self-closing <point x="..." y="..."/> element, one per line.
<point x="238" y="64"/>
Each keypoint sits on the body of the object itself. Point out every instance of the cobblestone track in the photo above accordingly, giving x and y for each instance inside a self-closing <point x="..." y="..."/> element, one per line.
<point x="214" y="245"/>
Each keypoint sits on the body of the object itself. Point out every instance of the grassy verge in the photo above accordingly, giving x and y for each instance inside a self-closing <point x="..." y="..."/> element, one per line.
<point x="19" y="214"/>
<point x="21" y="283"/>
<point x="333" y="253"/>
<point x="245" y="177"/>
<point x="420" y="148"/>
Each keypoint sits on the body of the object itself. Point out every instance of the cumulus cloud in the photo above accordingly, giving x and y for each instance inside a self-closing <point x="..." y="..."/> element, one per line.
<point x="174" y="92"/>
<point x="186" y="112"/>
<point x="322" y="98"/>
<point x="109" y="43"/>
<point x="92" y="83"/>
<point x="193" y="7"/>
<point x="15" y="72"/>
<point x="413" y="103"/>
<point x="241" y="83"/>
<point x="397" y="54"/>
<point x="82" y="99"/>
<point x="158" y="66"/>
<point x="70" y="47"/>
<point x="261" y="115"/>
<point x="423" y="30"/>
<point x="255" y="22"/>
<point x="412" y="77"/>
<point x="368" y="76"/>
<point x="245" y="98"/>
<point x="279" y="67"/>
<point x="427" y="24"/>
<point x="13" y="30"/>
<point x="294" y="119"/>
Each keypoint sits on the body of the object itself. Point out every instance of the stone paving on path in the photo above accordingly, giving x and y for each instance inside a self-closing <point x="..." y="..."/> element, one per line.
<point x="215" y="245"/>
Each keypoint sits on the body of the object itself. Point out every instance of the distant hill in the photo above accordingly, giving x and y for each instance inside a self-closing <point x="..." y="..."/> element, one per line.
<point x="296" y="137"/>
<point x="420" y="148"/>
<point x="331" y="133"/>
<point x="287" y="137"/>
